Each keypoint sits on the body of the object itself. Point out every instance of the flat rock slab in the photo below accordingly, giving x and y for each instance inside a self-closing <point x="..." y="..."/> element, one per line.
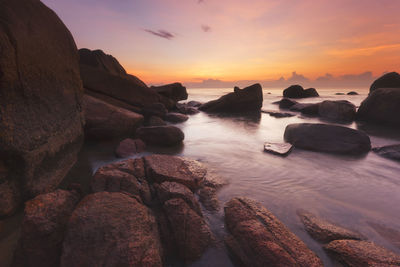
<point x="390" y="152"/>
<point x="361" y="253"/>
<point x="325" y="231"/>
<point x="278" y="114"/>
<point x="281" y="149"/>
<point x="161" y="168"/>
<point x="258" y="238"/>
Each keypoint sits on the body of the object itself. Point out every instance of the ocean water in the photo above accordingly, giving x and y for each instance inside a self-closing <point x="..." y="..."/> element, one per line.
<point x="351" y="191"/>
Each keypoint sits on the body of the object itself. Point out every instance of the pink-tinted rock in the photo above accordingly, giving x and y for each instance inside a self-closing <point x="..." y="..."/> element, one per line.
<point x="130" y="147"/>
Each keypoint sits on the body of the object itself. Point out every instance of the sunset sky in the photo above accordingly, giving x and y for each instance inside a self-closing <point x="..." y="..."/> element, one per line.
<point x="190" y="40"/>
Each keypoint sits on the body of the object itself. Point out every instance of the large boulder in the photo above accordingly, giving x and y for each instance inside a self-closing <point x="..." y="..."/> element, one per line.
<point x="175" y="91"/>
<point x="297" y="91"/>
<point x="111" y="229"/>
<point x="382" y="106"/>
<point x="258" y="238"/>
<point x="287" y="103"/>
<point x="341" y="110"/>
<point x="248" y="99"/>
<point x="355" y="253"/>
<point x="40" y="100"/>
<point x="161" y="135"/>
<point x="105" y="121"/>
<point x="327" y="138"/>
<point x="389" y="80"/>
<point x="43" y="227"/>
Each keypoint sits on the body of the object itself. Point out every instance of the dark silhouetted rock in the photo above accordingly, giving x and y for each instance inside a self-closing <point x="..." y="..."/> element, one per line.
<point x="173" y="91"/>
<point x="281" y="149"/>
<point x="389" y="80"/>
<point x="248" y="99"/>
<point x="43" y="228"/>
<point x="155" y="121"/>
<point x="382" y="106"/>
<point x="340" y="94"/>
<point x="161" y="168"/>
<point x="156" y="109"/>
<point x="260" y="239"/>
<point x="102" y="62"/>
<point x="9" y="198"/>
<point x="352" y="93"/>
<point x="287" y="103"/>
<point x="186" y="109"/>
<point x="176" y="117"/>
<point x="341" y="110"/>
<point x="327" y="138"/>
<point x="297" y="91"/>
<point x="278" y="114"/>
<point x="130" y="147"/>
<point x="310" y="109"/>
<point x="194" y="104"/>
<point x="126" y="176"/>
<point x="191" y="233"/>
<point x="390" y="152"/>
<point x="104" y="121"/>
<point x="40" y="104"/>
<point x="390" y="234"/>
<point x="111" y="229"/>
<point x="325" y="231"/>
<point x="161" y="135"/>
<point x="355" y="253"/>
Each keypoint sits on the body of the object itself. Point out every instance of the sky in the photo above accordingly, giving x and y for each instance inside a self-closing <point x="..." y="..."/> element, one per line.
<point x="211" y="42"/>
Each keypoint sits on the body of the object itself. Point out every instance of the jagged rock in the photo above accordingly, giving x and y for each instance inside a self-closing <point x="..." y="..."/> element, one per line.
<point x="390" y="152"/>
<point x="175" y="91"/>
<point x="43" y="228"/>
<point x="161" y="135"/>
<point x="176" y="117"/>
<point x="248" y="99"/>
<point x="389" y="80"/>
<point x="258" y="238"/>
<point x="355" y="253"/>
<point x="40" y="104"/>
<point x="325" y="231"/>
<point x="341" y="110"/>
<point x="327" y="138"/>
<point x="129" y="147"/>
<point x="281" y="149"/>
<point x="111" y="229"/>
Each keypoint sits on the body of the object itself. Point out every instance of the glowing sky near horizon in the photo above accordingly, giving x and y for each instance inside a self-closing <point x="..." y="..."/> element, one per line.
<point x="191" y="40"/>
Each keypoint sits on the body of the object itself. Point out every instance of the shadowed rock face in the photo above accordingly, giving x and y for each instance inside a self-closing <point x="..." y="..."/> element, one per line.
<point x="260" y="239"/>
<point x="327" y="138"/>
<point x="40" y="99"/>
<point x="248" y="99"/>
<point x="341" y="110"/>
<point x="389" y="80"/>
<point x="382" y="106"/>
<point x="175" y="91"/>
<point x="161" y="135"/>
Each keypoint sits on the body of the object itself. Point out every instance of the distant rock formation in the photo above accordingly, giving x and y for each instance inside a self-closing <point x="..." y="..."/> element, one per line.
<point x="41" y="122"/>
<point x="389" y="80"/>
<point x="297" y="91"/>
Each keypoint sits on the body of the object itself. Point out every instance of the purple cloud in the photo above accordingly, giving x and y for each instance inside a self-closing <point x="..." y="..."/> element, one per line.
<point x="205" y="28"/>
<point x="161" y="33"/>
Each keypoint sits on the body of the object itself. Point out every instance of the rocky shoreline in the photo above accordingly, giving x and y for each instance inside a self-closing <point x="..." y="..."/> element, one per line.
<point x="149" y="210"/>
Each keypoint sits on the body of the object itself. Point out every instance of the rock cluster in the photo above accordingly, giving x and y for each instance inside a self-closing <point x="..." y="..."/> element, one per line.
<point x="297" y="91"/>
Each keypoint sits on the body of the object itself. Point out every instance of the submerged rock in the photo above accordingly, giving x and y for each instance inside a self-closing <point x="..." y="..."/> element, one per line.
<point x="248" y="99"/>
<point x="327" y="138"/>
<point x="390" y="152"/>
<point x="41" y="122"/>
<point x="388" y="80"/>
<point x="175" y="91"/>
<point x="111" y="229"/>
<point x="129" y="147"/>
<point x="278" y="114"/>
<point x="161" y="135"/>
<point x="382" y="106"/>
<point x="341" y="110"/>
<point x="176" y="117"/>
<point x="281" y="149"/>
<point x="258" y="238"/>
<point x="297" y="91"/>
<point x="352" y="93"/>
<point x="390" y="234"/>
<point x="325" y="231"/>
<point x="286" y="103"/>
<point x="361" y="253"/>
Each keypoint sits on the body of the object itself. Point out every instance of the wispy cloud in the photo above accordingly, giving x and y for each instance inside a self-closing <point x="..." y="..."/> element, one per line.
<point x="161" y="33"/>
<point x="205" y="28"/>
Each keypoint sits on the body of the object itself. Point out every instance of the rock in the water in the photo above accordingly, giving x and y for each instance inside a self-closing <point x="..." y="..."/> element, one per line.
<point x="175" y="91"/>
<point x="340" y="94"/>
<point x="208" y="197"/>
<point x="111" y="229"/>
<point x="287" y="103"/>
<point x="382" y="106"/>
<point x="281" y="149"/>
<point x="297" y="91"/>
<point x="278" y="114"/>
<point x="161" y="135"/>
<point x="130" y="147"/>
<point x="389" y="80"/>
<point x="325" y="231"/>
<point x="176" y="117"/>
<point x="104" y="121"/>
<point x="126" y="176"/>
<point x="43" y="229"/>
<point x="390" y="152"/>
<point x="342" y="110"/>
<point x="311" y="109"/>
<point x="186" y="109"/>
<point x="260" y="239"/>
<point x="248" y="99"/>
<point x="194" y="104"/>
<point x="155" y="121"/>
<point x="40" y="105"/>
<point x="355" y="253"/>
<point x="192" y="234"/>
<point x="352" y="93"/>
<point x="161" y="168"/>
<point x="327" y="138"/>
